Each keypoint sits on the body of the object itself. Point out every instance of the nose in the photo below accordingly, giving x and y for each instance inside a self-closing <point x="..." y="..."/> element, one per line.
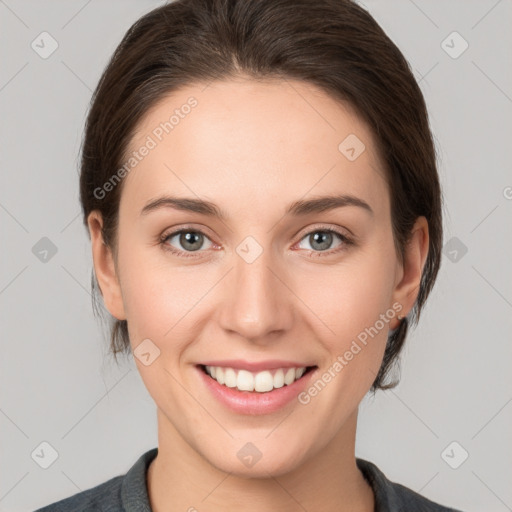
<point x="258" y="303"/>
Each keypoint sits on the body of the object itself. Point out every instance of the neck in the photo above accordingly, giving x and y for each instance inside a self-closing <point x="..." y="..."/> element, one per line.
<point x="179" y="478"/>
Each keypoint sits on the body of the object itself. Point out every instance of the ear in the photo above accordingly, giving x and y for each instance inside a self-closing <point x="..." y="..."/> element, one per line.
<point x="104" y="268"/>
<point x="407" y="285"/>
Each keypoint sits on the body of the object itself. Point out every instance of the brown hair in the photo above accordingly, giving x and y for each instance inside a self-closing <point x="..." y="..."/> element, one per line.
<point x="333" y="44"/>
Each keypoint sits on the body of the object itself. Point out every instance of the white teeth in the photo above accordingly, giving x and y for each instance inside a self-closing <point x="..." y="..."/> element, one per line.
<point x="289" y="376"/>
<point x="263" y="382"/>
<point x="230" y="377"/>
<point x="260" y="382"/>
<point x="245" y="381"/>
<point x="279" y="379"/>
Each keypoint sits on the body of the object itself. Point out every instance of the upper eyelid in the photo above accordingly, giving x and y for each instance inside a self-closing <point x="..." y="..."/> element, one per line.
<point x="175" y="231"/>
<point x="325" y="227"/>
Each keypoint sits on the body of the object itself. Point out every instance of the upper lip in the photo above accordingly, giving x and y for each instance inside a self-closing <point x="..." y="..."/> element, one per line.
<point x="269" y="364"/>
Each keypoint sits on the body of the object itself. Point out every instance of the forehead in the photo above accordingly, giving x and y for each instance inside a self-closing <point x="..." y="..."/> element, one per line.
<point x="242" y="138"/>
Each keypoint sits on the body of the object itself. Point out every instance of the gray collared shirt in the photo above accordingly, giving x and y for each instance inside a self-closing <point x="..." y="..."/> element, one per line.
<point x="129" y="493"/>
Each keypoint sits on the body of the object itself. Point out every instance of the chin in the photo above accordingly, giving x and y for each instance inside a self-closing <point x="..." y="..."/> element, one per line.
<point x="248" y="461"/>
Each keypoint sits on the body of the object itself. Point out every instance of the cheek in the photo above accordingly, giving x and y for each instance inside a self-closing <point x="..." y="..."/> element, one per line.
<point x="352" y="297"/>
<point x="355" y="302"/>
<point x="161" y="298"/>
<point x="146" y="294"/>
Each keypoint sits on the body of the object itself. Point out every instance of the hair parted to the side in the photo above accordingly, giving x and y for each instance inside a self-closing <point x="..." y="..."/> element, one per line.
<point x="335" y="45"/>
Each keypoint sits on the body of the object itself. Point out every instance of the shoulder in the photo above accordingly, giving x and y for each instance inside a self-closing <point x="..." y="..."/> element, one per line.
<point x="394" y="497"/>
<point x="121" y="493"/>
<point x="105" y="497"/>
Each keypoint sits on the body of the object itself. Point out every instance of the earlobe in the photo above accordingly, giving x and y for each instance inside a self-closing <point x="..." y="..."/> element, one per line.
<point x="407" y="289"/>
<point x="104" y="268"/>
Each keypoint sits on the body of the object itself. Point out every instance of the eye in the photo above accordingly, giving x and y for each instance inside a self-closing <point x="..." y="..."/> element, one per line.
<point x="188" y="240"/>
<point x="321" y="239"/>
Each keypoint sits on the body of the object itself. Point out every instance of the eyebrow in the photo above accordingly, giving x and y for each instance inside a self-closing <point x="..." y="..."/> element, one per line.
<point x="297" y="208"/>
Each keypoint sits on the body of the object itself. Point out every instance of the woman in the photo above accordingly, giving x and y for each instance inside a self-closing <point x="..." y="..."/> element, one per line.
<point x="289" y="143"/>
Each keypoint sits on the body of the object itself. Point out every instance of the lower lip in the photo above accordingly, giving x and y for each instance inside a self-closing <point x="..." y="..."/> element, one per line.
<point x="252" y="402"/>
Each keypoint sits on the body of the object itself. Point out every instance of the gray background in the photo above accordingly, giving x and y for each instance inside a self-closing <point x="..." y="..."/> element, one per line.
<point x="58" y="384"/>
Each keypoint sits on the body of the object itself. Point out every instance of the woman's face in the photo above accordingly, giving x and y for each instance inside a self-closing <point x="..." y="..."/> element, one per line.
<point x="264" y="282"/>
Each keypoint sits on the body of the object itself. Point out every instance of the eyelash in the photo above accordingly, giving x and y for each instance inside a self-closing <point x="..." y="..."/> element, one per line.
<point x="346" y="242"/>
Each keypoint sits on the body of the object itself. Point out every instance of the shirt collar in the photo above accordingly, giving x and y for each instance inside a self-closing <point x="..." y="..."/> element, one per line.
<point x="134" y="489"/>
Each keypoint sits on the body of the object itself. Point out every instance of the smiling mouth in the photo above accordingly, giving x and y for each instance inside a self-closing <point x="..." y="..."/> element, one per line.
<point x="257" y="382"/>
